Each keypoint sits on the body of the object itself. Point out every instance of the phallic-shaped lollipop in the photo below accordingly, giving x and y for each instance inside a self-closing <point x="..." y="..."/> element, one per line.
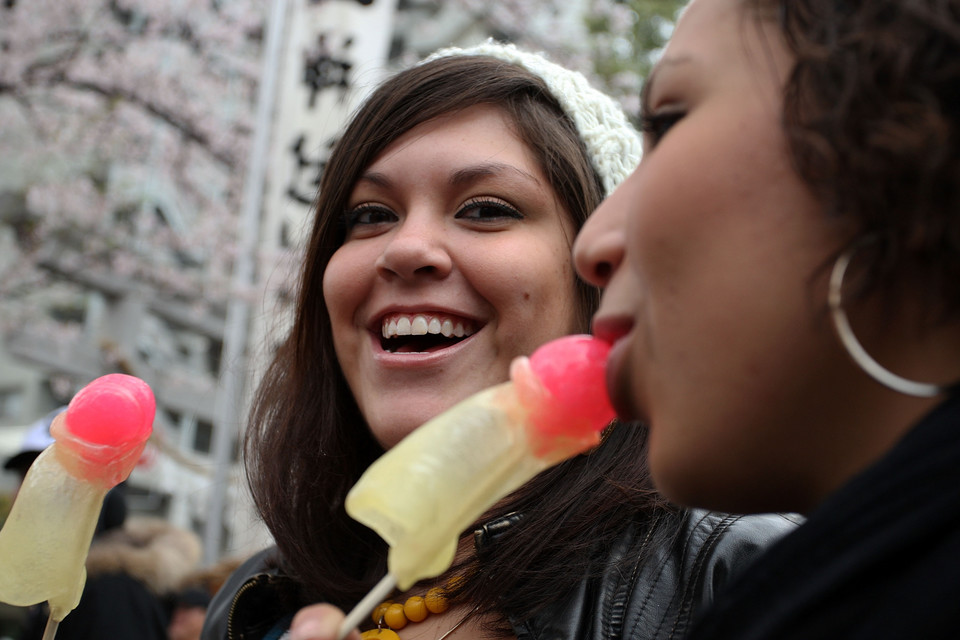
<point x="437" y="481"/>
<point x="44" y="542"/>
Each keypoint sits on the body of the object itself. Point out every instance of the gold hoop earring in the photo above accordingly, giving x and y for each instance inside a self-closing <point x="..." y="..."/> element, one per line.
<point x="856" y="351"/>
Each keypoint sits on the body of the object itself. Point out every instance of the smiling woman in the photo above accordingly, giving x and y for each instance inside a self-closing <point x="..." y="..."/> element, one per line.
<point x="440" y="252"/>
<point x="474" y="236"/>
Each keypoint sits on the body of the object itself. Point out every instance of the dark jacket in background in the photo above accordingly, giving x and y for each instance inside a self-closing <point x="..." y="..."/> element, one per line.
<point x="878" y="559"/>
<point x="652" y="599"/>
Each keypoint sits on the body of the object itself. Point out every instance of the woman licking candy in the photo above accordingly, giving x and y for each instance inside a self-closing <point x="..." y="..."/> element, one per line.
<point x="780" y="281"/>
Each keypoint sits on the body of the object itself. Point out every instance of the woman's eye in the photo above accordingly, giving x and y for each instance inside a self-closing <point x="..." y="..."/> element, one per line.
<point x="486" y="210"/>
<point x="656" y="125"/>
<point x="367" y="215"/>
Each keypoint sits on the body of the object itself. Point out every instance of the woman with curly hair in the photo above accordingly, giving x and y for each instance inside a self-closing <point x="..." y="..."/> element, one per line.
<point x="782" y="291"/>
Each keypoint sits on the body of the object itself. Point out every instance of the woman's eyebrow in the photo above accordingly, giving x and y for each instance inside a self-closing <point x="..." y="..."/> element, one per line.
<point x="487" y="169"/>
<point x="375" y="177"/>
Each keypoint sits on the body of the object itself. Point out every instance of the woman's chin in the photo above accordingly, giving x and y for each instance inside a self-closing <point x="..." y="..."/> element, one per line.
<point x="389" y="433"/>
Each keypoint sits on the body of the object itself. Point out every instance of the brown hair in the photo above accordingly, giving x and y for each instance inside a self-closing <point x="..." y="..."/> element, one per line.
<point x="307" y="442"/>
<point x="871" y="115"/>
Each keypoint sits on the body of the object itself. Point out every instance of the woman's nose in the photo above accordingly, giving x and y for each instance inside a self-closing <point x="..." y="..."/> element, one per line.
<point x="598" y="249"/>
<point x="416" y="248"/>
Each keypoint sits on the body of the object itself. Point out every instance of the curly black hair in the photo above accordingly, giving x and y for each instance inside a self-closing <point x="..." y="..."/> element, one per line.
<point x="871" y="113"/>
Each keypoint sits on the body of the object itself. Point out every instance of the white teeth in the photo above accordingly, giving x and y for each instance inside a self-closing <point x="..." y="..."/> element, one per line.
<point x="420" y="325"/>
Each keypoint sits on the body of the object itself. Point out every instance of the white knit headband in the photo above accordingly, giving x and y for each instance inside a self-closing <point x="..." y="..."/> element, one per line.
<point x="612" y="142"/>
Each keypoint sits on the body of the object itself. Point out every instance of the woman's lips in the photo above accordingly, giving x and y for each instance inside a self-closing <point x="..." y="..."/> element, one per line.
<point x="617" y="377"/>
<point x="617" y="331"/>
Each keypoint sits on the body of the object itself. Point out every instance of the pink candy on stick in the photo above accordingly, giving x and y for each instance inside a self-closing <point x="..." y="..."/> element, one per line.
<point x="436" y="482"/>
<point x="572" y="372"/>
<point x="44" y="542"/>
<point x="105" y="427"/>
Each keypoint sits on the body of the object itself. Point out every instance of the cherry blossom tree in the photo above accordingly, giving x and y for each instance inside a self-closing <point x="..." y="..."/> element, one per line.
<point x="622" y="37"/>
<point x="124" y="126"/>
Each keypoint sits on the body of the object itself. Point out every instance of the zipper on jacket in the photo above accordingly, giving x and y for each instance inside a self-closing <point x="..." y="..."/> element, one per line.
<point x="255" y="581"/>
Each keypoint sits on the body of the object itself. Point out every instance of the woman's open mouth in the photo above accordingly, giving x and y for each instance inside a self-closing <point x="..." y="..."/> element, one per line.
<point x="423" y="332"/>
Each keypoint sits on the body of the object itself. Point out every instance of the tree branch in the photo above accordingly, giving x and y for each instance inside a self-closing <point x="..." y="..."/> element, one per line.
<point x="185" y="128"/>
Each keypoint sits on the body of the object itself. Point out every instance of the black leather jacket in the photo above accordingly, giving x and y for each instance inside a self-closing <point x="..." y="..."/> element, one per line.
<point x="644" y="592"/>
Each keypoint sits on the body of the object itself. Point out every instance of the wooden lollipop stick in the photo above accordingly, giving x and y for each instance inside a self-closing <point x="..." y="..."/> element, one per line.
<point x="51" y="629"/>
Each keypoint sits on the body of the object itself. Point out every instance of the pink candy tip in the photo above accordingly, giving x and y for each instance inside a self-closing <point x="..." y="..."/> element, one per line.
<point x="573" y="369"/>
<point x="113" y="410"/>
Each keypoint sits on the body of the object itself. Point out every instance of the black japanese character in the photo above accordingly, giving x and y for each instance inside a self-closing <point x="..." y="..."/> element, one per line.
<point x="307" y="170"/>
<point x="323" y="71"/>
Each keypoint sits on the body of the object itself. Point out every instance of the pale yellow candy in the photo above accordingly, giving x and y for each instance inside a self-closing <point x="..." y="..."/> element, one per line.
<point x="44" y="542"/>
<point x="438" y="480"/>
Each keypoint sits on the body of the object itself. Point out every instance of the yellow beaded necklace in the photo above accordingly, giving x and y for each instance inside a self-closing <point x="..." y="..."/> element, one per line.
<point x="392" y="616"/>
